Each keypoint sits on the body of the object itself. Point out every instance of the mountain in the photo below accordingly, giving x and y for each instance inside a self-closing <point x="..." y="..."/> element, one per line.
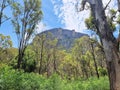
<point x="65" y="37"/>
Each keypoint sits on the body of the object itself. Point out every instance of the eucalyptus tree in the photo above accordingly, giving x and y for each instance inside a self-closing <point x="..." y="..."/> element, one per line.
<point x="5" y="43"/>
<point x="51" y="53"/>
<point x="90" y="24"/>
<point x="26" y="15"/>
<point x="38" y="47"/>
<point x="79" y="50"/>
<point x="92" y="46"/>
<point x="84" y="51"/>
<point x="110" y="44"/>
<point x="3" y="5"/>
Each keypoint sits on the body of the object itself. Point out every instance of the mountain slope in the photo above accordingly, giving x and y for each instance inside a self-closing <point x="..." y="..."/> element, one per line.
<point x="65" y="37"/>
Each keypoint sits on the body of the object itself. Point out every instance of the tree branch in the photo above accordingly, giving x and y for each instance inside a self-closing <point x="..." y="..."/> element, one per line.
<point x="83" y="5"/>
<point x="107" y="5"/>
<point x="5" y="20"/>
<point x="118" y="5"/>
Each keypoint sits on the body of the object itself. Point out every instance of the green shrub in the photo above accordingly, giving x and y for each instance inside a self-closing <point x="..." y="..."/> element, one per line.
<point x="11" y="79"/>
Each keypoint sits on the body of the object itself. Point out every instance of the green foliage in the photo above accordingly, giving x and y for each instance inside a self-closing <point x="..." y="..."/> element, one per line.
<point x="55" y="83"/>
<point x="6" y="52"/>
<point x="18" y="80"/>
<point x="90" y="24"/>
<point x="118" y="19"/>
<point x="3" y="5"/>
<point x="8" y="55"/>
<point x="11" y="79"/>
<point x="29" y="62"/>
<point x="26" y="15"/>
<point x="102" y="71"/>
<point x="5" y="41"/>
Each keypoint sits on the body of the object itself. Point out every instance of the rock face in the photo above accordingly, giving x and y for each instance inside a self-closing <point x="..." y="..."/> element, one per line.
<point x="65" y="37"/>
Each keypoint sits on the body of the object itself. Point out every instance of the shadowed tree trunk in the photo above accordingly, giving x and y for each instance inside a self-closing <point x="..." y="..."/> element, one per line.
<point x="54" y="61"/>
<point x="41" y="55"/>
<point x="94" y="59"/>
<point x="109" y="42"/>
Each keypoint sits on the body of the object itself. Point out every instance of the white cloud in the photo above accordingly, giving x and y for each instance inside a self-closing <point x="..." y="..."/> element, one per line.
<point x="66" y="11"/>
<point x="69" y="16"/>
<point x="40" y="27"/>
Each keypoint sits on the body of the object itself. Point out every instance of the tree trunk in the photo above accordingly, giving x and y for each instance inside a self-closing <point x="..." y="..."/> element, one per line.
<point x="1" y="11"/>
<point x="113" y="65"/>
<point x="85" y="71"/>
<point x="48" y="66"/>
<point x="118" y="5"/>
<point x="20" y="57"/>
<point x="19" y="62"/>
<point x="109" y="43"/>
<point x="95" y="63"/>
<point x="41" y="59"/>
<point x="54" y="60"/>
<point x="54" y="64"/>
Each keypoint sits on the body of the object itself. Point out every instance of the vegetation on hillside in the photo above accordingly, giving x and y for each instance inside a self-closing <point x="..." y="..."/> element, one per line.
<point x="90" y="63"/>
<point x="46" y="66"/>
<point x="11" y="79"/>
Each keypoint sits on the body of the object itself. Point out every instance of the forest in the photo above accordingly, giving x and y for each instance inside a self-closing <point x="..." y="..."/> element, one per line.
<point x="43" y="63"/>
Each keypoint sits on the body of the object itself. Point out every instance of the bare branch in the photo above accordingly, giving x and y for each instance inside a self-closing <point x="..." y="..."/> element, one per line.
<point x="83" y="5"/>
<point x="107" y="5"/>
<point x="118" y="5"/>
<point x="5" y="20"/>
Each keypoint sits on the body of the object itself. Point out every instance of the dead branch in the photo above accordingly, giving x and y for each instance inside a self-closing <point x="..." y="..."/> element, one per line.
<point x="107" y="5"/>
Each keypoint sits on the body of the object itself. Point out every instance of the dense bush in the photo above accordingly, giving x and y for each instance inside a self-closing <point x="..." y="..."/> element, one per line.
<point x="11" y="79"/>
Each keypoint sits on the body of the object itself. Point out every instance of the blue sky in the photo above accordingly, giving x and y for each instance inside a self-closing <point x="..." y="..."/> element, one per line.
<point x="49" y="19"/>
<point x="56" y="13"/>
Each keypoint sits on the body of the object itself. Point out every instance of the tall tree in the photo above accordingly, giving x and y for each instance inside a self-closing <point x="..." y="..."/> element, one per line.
<point x="94" y="58"/>
<point x="38" y="47"/>
<point x="26" y="15"/>
<point x="5" y="43"/>
<point x="84" y="51"/>
<point x="79" y="50"/>
<point x="110" y="44"/>
<point x="51" y="52"/>
<point x="3" y="5"/>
